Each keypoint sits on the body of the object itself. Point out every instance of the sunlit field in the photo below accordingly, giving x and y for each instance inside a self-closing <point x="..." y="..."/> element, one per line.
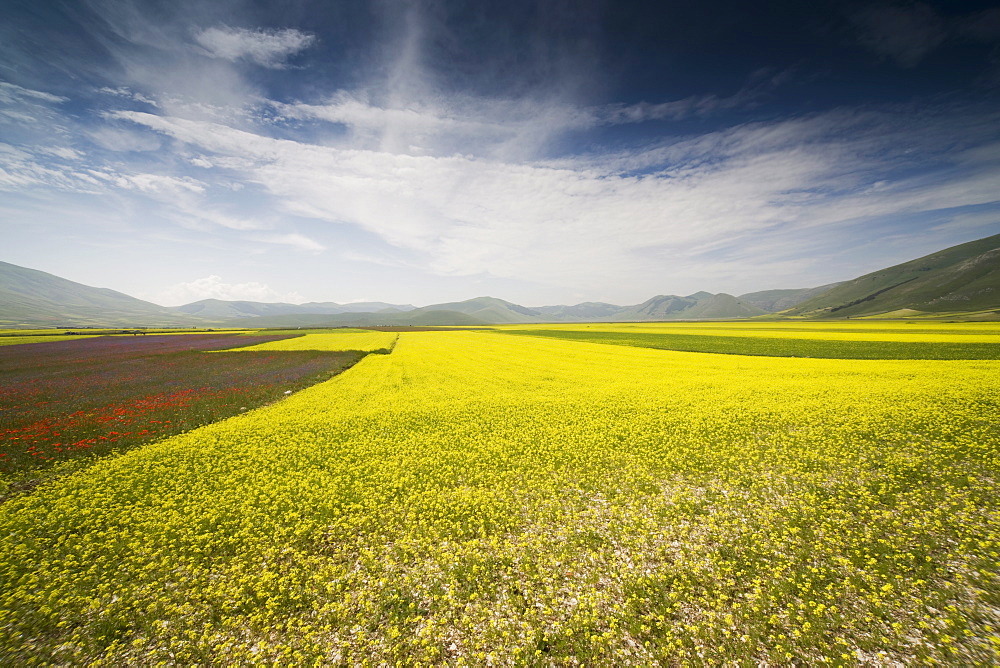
<point x="361" y="340"/>
<point x="66" y="401"/>
<point x="846" y="330"/>
<point x="840" y="340"/>
<point x="8" y="340"/>
<point x="524" y="497"/>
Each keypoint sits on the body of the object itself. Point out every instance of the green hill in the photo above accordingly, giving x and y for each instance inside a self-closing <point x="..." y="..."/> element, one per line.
<point x="489" y="309"/>
<point x="722" y="306"/>
<point x="963" y="278"/>
<point x="696" y="306"/>
<point x="780" y="300"/>
<point x="579" y="312"/>
<point x="218" y="309"/>
<point x="32" y="298"/>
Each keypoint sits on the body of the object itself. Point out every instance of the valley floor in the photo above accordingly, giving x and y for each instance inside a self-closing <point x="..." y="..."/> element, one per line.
<point x="544" y="497"/>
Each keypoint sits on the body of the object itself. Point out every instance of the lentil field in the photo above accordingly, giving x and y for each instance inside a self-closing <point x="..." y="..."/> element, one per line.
<point x="516" y="497"/>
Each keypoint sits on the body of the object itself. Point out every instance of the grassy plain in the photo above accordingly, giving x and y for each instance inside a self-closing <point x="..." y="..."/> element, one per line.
<point x="477" y="497"/>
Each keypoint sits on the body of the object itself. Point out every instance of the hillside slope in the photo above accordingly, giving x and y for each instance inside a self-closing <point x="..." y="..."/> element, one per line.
<point x="29" y="297"/>
<point x="780" y="300"/>
<point x="962" y="278"/>
<point x="695" y="306"/>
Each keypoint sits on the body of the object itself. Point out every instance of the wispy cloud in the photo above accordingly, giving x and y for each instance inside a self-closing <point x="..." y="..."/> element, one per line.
<point x="294" y="240"/>
<point x="268" y="48"/>
<point x="758" y="85"/>
<point x="559" y="222"/>
<point x="10" y="93"/>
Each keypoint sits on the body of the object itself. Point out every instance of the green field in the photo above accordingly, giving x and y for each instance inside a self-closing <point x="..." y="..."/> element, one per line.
<point x="838" y="341"/>
<point x="524" y="497"/>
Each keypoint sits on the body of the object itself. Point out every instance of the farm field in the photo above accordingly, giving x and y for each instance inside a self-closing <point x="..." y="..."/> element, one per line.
<point x="64" y="402"/>
<point x="841" y="340"/>
<point x="360" y="340"/>
<point x="519" y="497"/>
<point x="8" y="340"/>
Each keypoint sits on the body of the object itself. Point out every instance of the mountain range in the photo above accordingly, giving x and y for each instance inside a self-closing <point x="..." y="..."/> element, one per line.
<point x="963" y="279"/>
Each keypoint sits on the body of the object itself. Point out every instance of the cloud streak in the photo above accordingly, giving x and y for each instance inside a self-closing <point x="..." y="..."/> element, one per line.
<point x="267" y="48"/>
<point x="559" y="222"/>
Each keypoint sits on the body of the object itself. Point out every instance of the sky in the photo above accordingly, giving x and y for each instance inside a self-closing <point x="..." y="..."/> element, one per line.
<point x="544" y="152"/>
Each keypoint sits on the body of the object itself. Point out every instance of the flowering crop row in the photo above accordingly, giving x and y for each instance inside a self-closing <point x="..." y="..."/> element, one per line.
<point x="926" y="332"/>
<point x="784" y="340"/>
<point x="48" y="338"/>
<point x="478" y="498"/>
<point x="363" y="341"/>
<point x="87" y="397"/>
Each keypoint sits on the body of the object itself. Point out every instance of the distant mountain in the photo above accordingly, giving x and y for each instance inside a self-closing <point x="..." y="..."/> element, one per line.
<point x="225" y="310"/>
<point x="220" y="309"/>
<point x="696" y="306"/>
<point x="489" y="309"/>
<point x="368" y="307"/>
<point x="779" y="300"/>
<point x="963" y="278"/>
<point x="32" y="298"/>
<point x="478" y="311"/>
<point x="721" y="305"/>
<point x="579" y="312"/>
<point x="415" y="317"/>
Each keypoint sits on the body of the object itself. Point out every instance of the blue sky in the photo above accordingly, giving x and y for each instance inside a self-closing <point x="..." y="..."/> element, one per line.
<point x="543" y="152"/>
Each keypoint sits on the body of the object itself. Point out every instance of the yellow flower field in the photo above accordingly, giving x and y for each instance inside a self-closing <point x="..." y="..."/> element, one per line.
<point x="479" y="498"/>
<point x="337" y="341"/>
<point x="16" y="340"/>
<point x="931" y="332"/>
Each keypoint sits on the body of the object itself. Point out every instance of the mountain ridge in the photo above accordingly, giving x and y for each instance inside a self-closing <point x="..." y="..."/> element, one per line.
<point x="960" y="279"/>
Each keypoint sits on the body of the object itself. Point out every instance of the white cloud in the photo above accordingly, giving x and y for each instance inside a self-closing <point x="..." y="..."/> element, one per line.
<point x="495" y="128"/>
<point x="129" y="94"/>
<point x="294" y="240"/>
<point x="22" y="169"/>
<point x="123" y="140"/>
<point x="212" y="287"/>
<point x="583" y="223"/>
<point x="10" y="93"/>
<point x="158" y="184"/>
<point x="269" y="48"/>
<point x="62" y="152"/>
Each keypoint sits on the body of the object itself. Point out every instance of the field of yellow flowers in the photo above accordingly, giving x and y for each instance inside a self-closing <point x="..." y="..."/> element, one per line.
<point x="360" y="340"/>
<point x="479" y="498"/>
